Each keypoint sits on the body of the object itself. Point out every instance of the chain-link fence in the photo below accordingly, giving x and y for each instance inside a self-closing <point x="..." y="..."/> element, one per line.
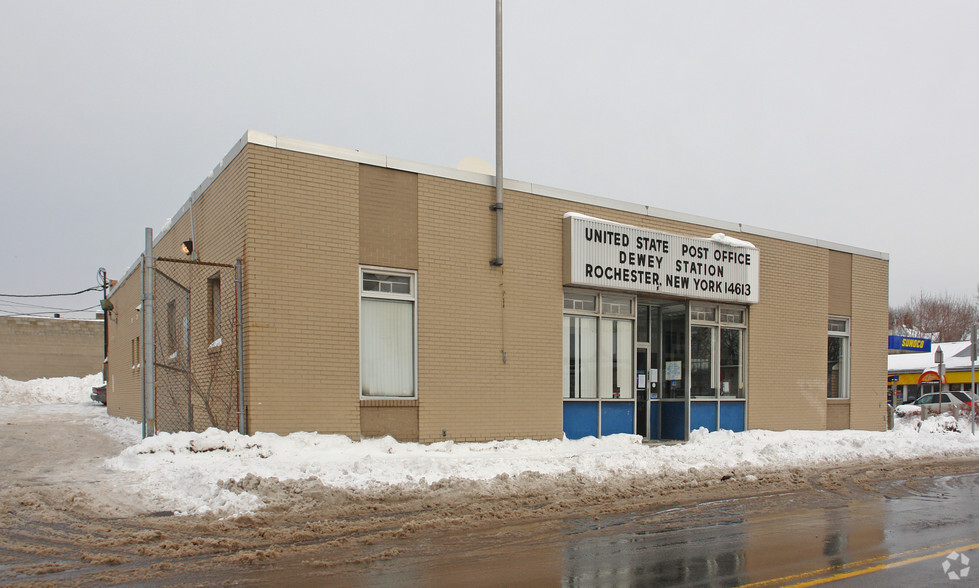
<point x="196" y="338"/>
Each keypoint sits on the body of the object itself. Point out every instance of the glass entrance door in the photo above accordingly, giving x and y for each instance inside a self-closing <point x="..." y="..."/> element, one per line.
<point x="690" y="368"/>
<point x="642" y="389"/>
<point x="673" y="403"/>
<point x="648" y="370"/>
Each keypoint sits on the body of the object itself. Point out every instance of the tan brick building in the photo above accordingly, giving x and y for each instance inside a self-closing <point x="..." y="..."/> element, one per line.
<point x="32" y="347"/>
<point x="369" y="306"/>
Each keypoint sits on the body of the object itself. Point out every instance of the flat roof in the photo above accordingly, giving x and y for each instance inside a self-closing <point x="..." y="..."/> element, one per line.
<point x="356" y="156"/>
<point x="958" y="357"/>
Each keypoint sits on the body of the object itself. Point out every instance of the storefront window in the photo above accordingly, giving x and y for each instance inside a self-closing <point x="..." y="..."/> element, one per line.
<point x="642" y="324"/>
<point x="598" y="347"/>
<point x="580" y="356"/>
<point x="702" y="361"/>
<point x="911" y="392"/>
<point x="838" y="364"/>
<point x="717" y="356"/>
<point x="674" y="351"/>
<point x="616" y="358"/>
<point x="732" y="363"/>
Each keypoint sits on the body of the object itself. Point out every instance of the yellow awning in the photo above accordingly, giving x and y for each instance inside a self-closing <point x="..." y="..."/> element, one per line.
<point x="950" y="377"/>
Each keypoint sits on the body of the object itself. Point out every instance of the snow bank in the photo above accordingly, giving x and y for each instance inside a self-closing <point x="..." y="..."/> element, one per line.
<point x="191" y="471"/>
<point x="67" y="390"/>
<point x="197" y="472"/>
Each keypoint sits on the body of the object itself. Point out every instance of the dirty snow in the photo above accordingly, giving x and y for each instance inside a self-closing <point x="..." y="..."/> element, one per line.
<point x="48" y="390"/>
<point x="190" y="472"/>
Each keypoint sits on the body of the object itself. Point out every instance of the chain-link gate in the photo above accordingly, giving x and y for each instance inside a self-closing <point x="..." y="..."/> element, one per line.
<point x="196" y="337"/>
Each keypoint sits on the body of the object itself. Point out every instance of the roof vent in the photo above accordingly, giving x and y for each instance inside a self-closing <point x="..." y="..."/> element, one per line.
<point x="477" y="165"/>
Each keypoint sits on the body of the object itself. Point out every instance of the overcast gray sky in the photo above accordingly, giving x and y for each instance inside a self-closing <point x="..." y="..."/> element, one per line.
<point x="850" y="121"/>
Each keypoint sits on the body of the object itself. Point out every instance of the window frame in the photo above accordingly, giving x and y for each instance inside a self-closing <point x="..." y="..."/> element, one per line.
<point x="717" y="317"/>
<point x="214" y="308"/>
<point x="844" y="336"/>
<point x="411" y="297"/>
<point x="603" y="314"/>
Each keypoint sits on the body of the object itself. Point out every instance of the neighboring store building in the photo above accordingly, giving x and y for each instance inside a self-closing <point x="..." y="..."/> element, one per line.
<point x="911" y="375"/>
<point x="32" y="347"/>
<point x="370" y="305"/>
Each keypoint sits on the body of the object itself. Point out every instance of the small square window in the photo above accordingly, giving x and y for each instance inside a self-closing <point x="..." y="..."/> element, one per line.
<point x="703" y="313"/>
<point x="621" y="305"/>
<point x="386" y="284"/>
<point x="580" y="301"/>
<point x="732" y="316"/>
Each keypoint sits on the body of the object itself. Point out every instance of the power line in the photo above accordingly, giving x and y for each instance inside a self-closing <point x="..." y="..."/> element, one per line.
<point x="92" y="289"/>
<point x="9" y="312"/>
<point x="5" y="304"/>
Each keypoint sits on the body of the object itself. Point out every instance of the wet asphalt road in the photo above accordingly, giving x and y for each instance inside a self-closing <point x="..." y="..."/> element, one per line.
<point x="915" y="535"/>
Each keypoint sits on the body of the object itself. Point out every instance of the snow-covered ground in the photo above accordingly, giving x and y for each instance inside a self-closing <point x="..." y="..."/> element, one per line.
<point x="189" y="472"/>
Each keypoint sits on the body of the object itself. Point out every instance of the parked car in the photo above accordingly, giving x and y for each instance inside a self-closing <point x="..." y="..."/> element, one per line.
<point x="937" y="403"/>
<point x="98" y="393"/>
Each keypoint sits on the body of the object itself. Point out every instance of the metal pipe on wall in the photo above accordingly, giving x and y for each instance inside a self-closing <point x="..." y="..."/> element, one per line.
<point x="149" y="399"/>
<point x="242" y="425"/>
<point x="498" y="207"/>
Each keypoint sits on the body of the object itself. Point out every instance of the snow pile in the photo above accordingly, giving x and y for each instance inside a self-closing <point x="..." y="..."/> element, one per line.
<point x="215" y="471"/>
<point x="731" y="241"/>
<point x="125" y="430"/>
<point x="907" y="410"/>
<point x="190" y="471"/>
<point x="67" y="390"/>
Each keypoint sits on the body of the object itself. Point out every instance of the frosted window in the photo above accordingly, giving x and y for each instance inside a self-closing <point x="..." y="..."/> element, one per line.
<point x="616" y="359"/>
<point x="580" y="361"/>
<point x="387" y="348"/>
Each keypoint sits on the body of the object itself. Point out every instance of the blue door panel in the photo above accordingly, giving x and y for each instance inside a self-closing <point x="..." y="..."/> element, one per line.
<point x="703" y="414"/>
<point x="733" y="416"/>
<point x="673" y="421"/>
<point x="580" y="419"/>
<point x="618" y="417"/>
<point x="653" y="420"/>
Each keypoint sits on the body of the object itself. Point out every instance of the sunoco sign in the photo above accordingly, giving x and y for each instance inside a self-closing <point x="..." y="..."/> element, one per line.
<point x="604" y="254"/>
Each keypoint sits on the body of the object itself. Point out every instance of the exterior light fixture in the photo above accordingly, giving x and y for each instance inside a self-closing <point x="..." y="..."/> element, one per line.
<point x="187" y="247"/>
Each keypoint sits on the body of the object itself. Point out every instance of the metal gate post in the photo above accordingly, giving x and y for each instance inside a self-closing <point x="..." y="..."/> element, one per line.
<point x="142" y="333"/>
<point x="240" y="336"/>
<point x="149" y="334"/>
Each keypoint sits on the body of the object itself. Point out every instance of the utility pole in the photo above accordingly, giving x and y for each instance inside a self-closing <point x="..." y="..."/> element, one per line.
<point x="973" y="340"/>
<point x="104" y="304"/>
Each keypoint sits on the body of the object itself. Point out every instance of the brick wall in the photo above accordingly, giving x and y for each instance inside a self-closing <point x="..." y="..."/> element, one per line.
<point x="125" y="366"/>
<point x="305" y="223"/>
<point x="48" y="347"/>
<point x="787" y="342"/>
<point x="219" y="216"/>
<point x="868" y="336"/>
<point x="302" y="293"/>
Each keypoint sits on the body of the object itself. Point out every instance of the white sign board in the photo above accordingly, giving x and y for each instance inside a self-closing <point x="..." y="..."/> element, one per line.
<point x="674" y="370"/>
<point x="605" y="254"/>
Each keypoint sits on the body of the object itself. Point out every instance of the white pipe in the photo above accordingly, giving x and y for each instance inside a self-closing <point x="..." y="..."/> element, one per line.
<point x="498" y="207"/>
